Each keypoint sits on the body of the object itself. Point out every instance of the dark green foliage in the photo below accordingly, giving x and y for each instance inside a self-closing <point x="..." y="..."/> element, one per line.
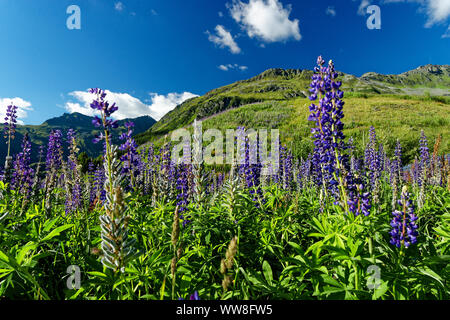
<point x="286" y="250"/>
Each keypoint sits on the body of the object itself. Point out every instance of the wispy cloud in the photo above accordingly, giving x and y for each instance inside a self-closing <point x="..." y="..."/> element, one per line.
<point x="118" y="6"/>
<point x="229" y="66"/>
<point x="266" y="20"/>
<point x="223" y="38"/>
<point x="331" y="11"/>
<point x="22" y="107"/>
<point x="129" y="106"/>
<point x="362" y="7"/>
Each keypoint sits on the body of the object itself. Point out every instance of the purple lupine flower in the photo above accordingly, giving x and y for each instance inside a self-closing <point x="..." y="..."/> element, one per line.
<point x="73" y="183"/>
<point x="9" y="131"/>
<point x="183" y="174"/>
<point x="305" y="172"/>
<point x="193" y="296"/>
<point x="182" y="186"/>
<point x="99" y="182"/>
<point x="358" y="198"/>
<point x="22" y="177"/>
<point x="250" y="167"/>
<point x="130" y="159"/>
<point x="404" y="227"/>
<point x="397" y="162"/>
<point x="106" y="110"/>
<point x="424" y="161"/>
<point x="371" y="157"/>
<point x="54" y="151"/>
<point x="53" y="164"/>
<point x="10" y="121"/>
<point x="220" y="181"/>
<point x="71" y="136"/>
<point x="328" y="159"/>
<point x="373" y="164"/>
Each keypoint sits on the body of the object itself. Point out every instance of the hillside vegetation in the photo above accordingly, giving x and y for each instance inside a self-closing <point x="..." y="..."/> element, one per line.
<point x="397" y="105"/>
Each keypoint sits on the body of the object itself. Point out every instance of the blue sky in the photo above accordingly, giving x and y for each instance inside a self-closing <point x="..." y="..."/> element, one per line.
<point x="151" y="55"/>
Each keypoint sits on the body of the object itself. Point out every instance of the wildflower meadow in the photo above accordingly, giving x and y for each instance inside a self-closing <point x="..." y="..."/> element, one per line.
<point x="140" y="225"/>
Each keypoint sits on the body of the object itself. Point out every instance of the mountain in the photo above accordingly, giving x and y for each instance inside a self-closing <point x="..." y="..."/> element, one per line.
<point x="398" y="105"/>
<point x="80" y="123"/>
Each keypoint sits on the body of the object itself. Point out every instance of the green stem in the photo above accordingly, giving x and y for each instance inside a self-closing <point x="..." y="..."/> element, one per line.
<point x="9" y="141"/>
<point x="173" y="285"/>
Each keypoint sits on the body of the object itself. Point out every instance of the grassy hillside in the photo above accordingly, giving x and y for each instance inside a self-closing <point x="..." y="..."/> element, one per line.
<point x="391" y="116"/>
<point x="277" y="98"/>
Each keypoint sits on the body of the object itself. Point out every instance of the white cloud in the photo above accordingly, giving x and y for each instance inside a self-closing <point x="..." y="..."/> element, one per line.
<point x="220" y="14"/>
<point x="331" y="11"/>
<point x="129" y="106"/>
<point x="23" y="107"/>
<point x="232" y="66"/>
<point x="438" y="11"/>
<point x="118" y="6"/>
<point x="224" y="39"/>
<point x="266" y="20"/>
<point x="162" y="104"/>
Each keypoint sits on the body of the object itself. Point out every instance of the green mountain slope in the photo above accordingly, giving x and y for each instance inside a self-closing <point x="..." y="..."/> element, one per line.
<point x="397" y="105"/>
<point x="80" y="123"/>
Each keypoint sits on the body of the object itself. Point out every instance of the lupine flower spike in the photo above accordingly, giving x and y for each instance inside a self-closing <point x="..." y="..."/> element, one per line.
<point x="404" y="227"/>
<point x="9" y="134"/>
<point x="118" y="249"/>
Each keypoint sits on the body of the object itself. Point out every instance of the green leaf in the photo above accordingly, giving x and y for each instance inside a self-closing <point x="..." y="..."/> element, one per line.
<point x="23" y="252"/>
<point x="330" y="280"/>
<point x="328" y="290"/>
<point x="56" y="232"/>
<point x="97" y="274"/>
<point x="163" y="289"/>
<point x="49" y="224"/>
<point x="5" y="272"/>
<point x="76" y="294"/>
<point x="380" y="291"/>
<point x="430" y="273"/>
<point x="267" y="270"/>
<point x="4" y="257"/>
